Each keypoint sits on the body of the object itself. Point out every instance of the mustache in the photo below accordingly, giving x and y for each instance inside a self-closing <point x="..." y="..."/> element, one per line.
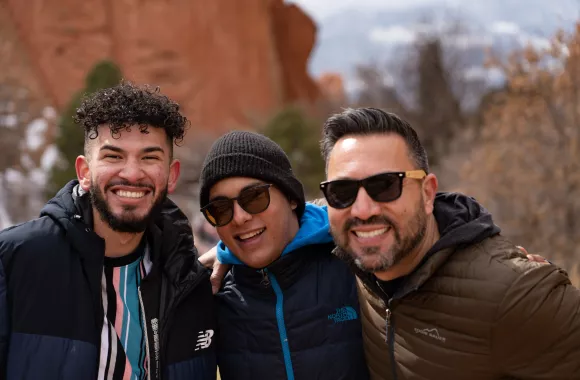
<point x="129" y="184"/>
<point x="375" y="219"/>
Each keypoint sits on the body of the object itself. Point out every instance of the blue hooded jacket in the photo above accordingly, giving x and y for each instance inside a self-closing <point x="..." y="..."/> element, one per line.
<point x="314" y="229"/>
<point x="296" y="319"/>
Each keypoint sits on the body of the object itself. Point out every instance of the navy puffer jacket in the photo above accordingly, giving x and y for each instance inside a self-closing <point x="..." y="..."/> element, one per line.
<point x="51" y="313"/>
<point x="296" y="319"/>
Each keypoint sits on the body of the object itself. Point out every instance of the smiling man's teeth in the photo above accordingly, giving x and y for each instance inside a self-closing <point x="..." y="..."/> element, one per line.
<point x="370" y="234"/>
<point x="130" y="194"/>
<point x="251" y="234"/>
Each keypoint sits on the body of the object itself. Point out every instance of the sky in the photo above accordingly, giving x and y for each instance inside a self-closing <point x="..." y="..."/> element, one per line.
<point x="319" y="9"/>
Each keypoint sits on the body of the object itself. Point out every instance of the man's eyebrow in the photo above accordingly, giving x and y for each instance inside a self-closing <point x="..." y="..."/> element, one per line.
<point x="112" y="147"/>
<point x="151" y="149"/>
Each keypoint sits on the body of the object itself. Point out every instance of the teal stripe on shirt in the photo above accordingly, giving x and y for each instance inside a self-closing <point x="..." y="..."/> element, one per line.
<point x="132" y="333"/>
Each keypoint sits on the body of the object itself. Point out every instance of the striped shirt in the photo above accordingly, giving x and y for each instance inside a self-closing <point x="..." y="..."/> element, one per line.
<point x="123" y="353"/>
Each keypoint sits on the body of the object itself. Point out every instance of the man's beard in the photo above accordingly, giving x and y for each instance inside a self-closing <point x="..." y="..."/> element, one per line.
<point x="129" y="223"/>
<point x="401" y="248"/>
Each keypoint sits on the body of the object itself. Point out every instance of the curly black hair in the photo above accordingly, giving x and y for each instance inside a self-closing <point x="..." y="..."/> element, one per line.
<point x="127" y="105"/>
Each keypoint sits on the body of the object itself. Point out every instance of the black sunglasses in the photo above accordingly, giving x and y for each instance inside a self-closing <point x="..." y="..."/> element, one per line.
<point x="253" y="200"/>
<point x="384" y="187"/>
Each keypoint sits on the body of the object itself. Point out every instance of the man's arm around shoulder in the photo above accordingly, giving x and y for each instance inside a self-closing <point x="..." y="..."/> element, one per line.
<point x="537" y="329"/>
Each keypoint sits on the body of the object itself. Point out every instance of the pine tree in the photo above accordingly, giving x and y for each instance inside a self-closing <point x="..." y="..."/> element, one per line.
<point x="70" y="138"/>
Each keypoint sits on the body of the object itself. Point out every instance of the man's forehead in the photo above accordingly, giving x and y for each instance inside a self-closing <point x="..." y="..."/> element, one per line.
<point x="383" y="145"/>
<point x="132" y="141"/>
<point x="353" y="155"/>
<point x="230" y="187"/>
<point x="131" y="133"/>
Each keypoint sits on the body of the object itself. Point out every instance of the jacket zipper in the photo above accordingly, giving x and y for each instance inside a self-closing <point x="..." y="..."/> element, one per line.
<point x="146" y="337"/>
<point x="265" y="280"/>
<point x="169" y="318"/>
<point x="390" y="335"/>
<point x="280" y="319"/>
<point x="390" y="331"/>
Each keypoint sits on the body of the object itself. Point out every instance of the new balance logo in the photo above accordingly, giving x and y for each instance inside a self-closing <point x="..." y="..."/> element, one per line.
<point x="204" y="339"/>
<point x="343" y="314"/>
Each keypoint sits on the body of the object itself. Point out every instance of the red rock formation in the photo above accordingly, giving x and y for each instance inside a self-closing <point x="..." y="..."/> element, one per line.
<point x="16" y="67"/>
<point x="19" y="85"/>
<point x="295" y="36"/>
<point x="332" y="87"/>
<point x="224" y="61"/>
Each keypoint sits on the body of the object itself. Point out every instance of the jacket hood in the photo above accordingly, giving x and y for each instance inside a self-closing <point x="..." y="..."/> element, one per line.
<point x="62" y="206"/>
<point x="171" y="232"/>
<point x="314" y="229"/>
<point x="461" y="220"/>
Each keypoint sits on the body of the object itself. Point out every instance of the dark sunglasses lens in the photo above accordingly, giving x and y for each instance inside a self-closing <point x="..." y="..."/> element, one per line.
<point x="384" y="187"/>
<point x="220" y="212"/>
<point x="341" y="194"/>
<point x="254" y="201"/>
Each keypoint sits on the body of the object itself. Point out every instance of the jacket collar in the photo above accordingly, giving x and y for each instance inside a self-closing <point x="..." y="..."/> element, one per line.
<point x="314" y="229"/>
<point x="170" y="234"/>
<point x="461" y="221"/>
<point x="314" y="232"/>
<point x="287" y="269"/>
<point x="410" y="283"/>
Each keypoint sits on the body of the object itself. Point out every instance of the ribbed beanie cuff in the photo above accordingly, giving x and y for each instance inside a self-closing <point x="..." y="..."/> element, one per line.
<point x="248" y="154"/>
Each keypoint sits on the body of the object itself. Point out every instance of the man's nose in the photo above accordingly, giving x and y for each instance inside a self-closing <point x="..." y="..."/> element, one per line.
<point x="132" y="171"/>
<point x="364" y="207"/>
<point x="241" y="216"/>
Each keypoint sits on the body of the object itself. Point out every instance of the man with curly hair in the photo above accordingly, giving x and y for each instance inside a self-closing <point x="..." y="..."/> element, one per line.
<point x="105" y="284"/>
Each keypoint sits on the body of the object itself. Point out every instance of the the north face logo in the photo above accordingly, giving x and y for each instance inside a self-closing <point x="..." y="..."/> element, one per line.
<point x="343" y="314"/>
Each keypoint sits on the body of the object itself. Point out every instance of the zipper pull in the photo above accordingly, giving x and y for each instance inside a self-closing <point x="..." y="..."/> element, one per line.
<point x="388" y="320"/>
<point x="390" y="340"/>
<point x="265" y="280"/>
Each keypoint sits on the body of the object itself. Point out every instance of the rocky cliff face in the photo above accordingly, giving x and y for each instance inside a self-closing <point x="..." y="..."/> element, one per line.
<point x="224" y="61"/>
<point x="332" y="87"/>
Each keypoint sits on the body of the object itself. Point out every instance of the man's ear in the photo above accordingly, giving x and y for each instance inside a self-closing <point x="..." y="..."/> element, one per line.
<point x="293" y="205"/>
<point x="429" y="188"/>
<point x="83" y="172"/>
<point x="174" y="172"/>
